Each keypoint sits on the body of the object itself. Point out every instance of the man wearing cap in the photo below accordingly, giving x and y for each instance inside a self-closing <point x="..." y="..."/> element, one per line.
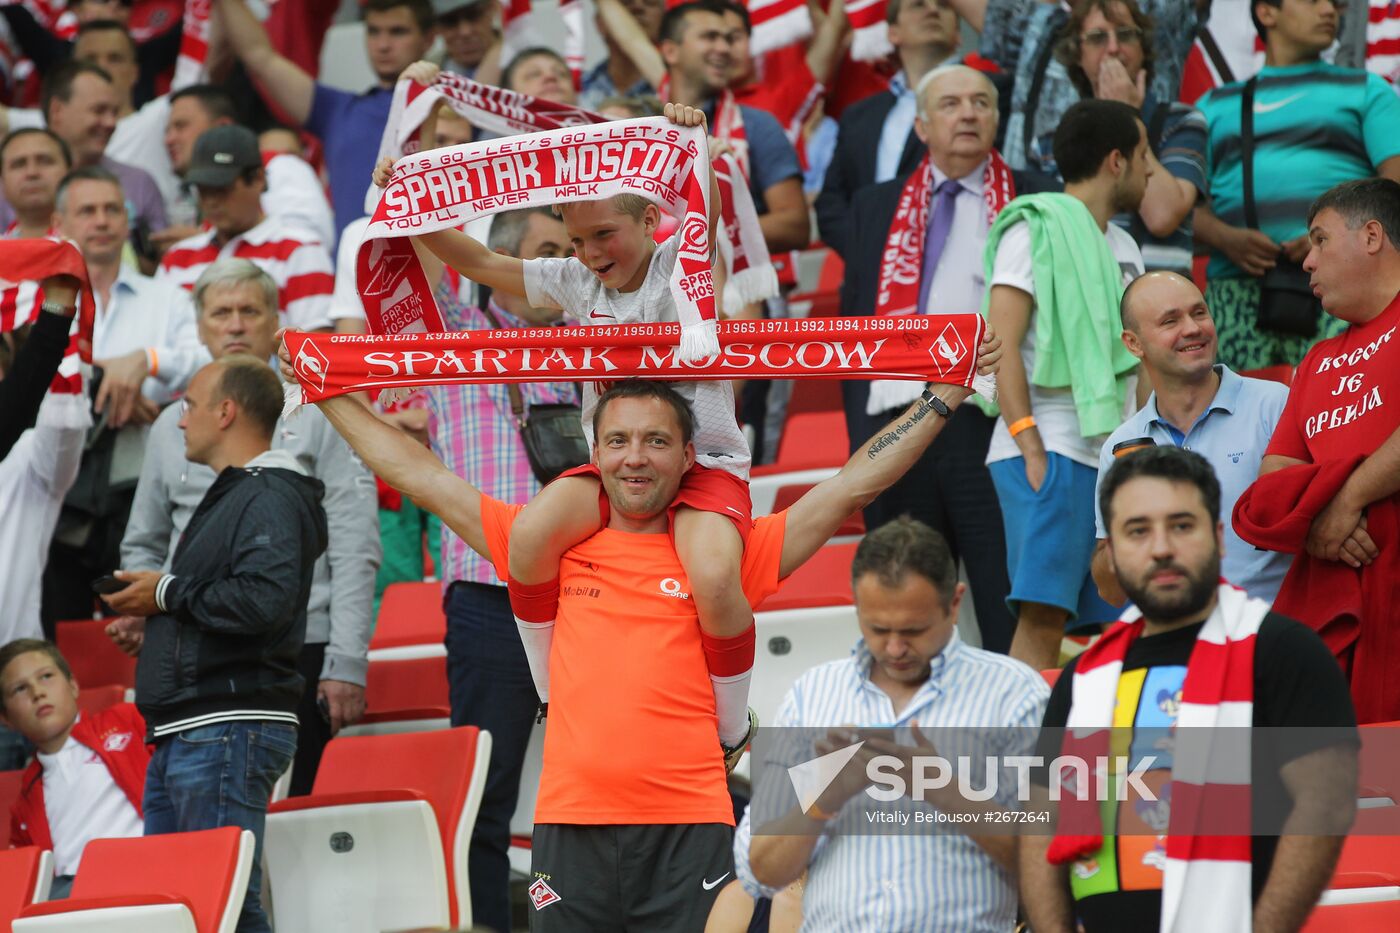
<point x="1201" y="405"/>
<point x="397" y="34"/>
<point x="468" y="30"/>
<point x="226" y="171"/>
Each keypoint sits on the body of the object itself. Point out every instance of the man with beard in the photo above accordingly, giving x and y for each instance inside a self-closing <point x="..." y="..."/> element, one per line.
<point x="1194" y="653"/>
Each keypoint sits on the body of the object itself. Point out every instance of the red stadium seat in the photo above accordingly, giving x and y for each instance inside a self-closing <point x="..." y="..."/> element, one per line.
<point x="1354" y="918"/>
<point x="787" y="495"/>
<point x="810" y="440"/>
<point x="186" y="882"/>
<point x="381" y="842"/>
<point x="9" y="792"/>
<point x="824" y="580"/>
<point x="25" y="876"/>
<point x="411" y="623"/>
<point x="96" y="699"/>
<point x="405" y="695"/>
<point x="92" y="656"/>
<point x="810" y="395"/>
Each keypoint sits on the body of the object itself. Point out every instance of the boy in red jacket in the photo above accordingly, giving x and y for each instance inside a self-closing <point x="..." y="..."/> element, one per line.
<point x="89" y="773"/>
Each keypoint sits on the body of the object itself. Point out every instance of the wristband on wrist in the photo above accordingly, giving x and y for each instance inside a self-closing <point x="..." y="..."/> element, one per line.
<point x="939" y="406"/>
<point x="1022" y="424"/>
<point x="153" y="361"/>
<point x="55" y="307"/>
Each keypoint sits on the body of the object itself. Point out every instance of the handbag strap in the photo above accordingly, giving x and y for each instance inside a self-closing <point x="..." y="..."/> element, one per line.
<point x="1216" y="56"/>
<point x="1038" y="69"/>
<point x="517" y="400"/>
<point x="1251" y="215"/>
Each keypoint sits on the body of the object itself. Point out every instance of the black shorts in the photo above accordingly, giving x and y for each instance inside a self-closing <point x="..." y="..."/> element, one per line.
<point x="644" y="878"/>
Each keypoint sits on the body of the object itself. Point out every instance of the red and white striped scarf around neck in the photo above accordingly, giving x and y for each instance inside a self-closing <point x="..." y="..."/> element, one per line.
<point x="1206" y="882"/>
<point x="727" y="123"/>
<point x="443" y="189"/>
<point x="937" y="348"/>
<point x="902" y="263"/>
<point x="870" y="34"/>
<point x="751" y="276"/>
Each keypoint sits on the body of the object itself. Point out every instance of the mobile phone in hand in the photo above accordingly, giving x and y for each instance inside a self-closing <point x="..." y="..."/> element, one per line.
<point x="108" y="584"/>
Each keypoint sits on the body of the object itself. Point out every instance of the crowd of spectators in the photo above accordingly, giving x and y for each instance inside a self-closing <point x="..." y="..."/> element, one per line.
<point x="1180" y="248"/>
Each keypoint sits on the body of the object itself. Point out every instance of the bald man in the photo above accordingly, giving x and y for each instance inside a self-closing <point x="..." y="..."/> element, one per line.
<point x="950" y="488"/>
<point x="1200" y="405"/>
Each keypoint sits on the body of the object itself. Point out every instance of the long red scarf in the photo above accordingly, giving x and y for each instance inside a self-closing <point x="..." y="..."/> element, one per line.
<point x="446" y="188"/>
<point x="870" y="40"/>
<point x="727" y="124"/>
<point x="23" y="263"/>
<point x="1206" y="881"/>
<point x="938" y="348"/>
<point x="777" y="24"/>
<point x="507" y="113"/>
<point x="902" y="265"/>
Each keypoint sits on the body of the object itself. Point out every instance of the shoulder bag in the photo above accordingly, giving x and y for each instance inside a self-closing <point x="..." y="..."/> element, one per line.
<point x="552" y="434"/>
<point x="1286" y="301"/>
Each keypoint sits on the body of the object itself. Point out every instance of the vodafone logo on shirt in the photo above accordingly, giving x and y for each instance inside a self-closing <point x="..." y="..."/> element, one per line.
<point x="673" y="588"/>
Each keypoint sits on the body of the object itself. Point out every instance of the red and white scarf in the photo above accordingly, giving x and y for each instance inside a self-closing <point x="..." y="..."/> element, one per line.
<point x="902" y="264"/>
<point x="870" y="40"/>
<point x="778" y="24"/>
<point x="938" y="348"/>
<point x="443" y="189"/>
<point x="194" y="44"/>
<point x="751" y="276"/>
<point x="1206" y="883"/>
<point x="23" y="263"/>
<point x="519" y="34"/>
<point x="728" y="122"/>
<point x="507" y="113"/>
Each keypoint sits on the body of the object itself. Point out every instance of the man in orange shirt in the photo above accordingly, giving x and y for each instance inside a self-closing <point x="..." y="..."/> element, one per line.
<point x="637" y="834"/>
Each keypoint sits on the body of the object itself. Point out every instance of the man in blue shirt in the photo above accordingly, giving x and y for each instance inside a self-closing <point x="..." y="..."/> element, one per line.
<point x="909" y="668"/>
<point x="1202" y="406"/>
<point x="397" y="34"/>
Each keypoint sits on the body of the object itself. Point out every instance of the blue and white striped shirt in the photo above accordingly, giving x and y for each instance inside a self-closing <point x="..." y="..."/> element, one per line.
<point x="906" y="882"/>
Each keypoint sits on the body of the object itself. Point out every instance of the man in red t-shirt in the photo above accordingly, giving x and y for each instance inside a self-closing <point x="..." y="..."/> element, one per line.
<point x="1345" y="398"/>
<point x="1335" y="455"/>
<point x="633" y="824"/>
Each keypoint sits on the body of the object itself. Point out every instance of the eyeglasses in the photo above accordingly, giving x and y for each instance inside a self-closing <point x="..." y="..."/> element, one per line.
<point x="1126" y="35"/>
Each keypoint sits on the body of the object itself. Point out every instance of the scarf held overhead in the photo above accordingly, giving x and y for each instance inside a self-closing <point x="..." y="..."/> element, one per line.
<point x="938" y="348"/>
<point x="1206" y="880"/>
<point x="507" y="113"/>
<point x="445" y="188"/>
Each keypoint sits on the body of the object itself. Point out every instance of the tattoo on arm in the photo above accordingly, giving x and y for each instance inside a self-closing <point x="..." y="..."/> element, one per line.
<point x="893" y="435"/>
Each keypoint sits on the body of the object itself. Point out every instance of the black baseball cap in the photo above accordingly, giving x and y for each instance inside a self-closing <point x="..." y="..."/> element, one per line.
<point x="221" y="155"/>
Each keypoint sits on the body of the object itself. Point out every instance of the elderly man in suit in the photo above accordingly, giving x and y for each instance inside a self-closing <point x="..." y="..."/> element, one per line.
<point x="950" y="488"/>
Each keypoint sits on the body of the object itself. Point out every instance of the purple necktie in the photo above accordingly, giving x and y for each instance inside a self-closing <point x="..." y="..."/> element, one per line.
<point x="940" y="221"/>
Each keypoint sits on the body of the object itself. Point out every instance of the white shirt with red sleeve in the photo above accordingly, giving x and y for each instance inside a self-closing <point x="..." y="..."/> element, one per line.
<point x="296" y="259"/>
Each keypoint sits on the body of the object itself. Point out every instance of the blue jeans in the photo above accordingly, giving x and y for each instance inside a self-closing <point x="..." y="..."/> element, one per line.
<point x="489" y="686"/>
<point x="220" y="775"/>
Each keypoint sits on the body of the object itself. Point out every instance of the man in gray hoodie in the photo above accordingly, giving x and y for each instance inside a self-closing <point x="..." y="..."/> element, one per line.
<point x="236" y="305"/>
